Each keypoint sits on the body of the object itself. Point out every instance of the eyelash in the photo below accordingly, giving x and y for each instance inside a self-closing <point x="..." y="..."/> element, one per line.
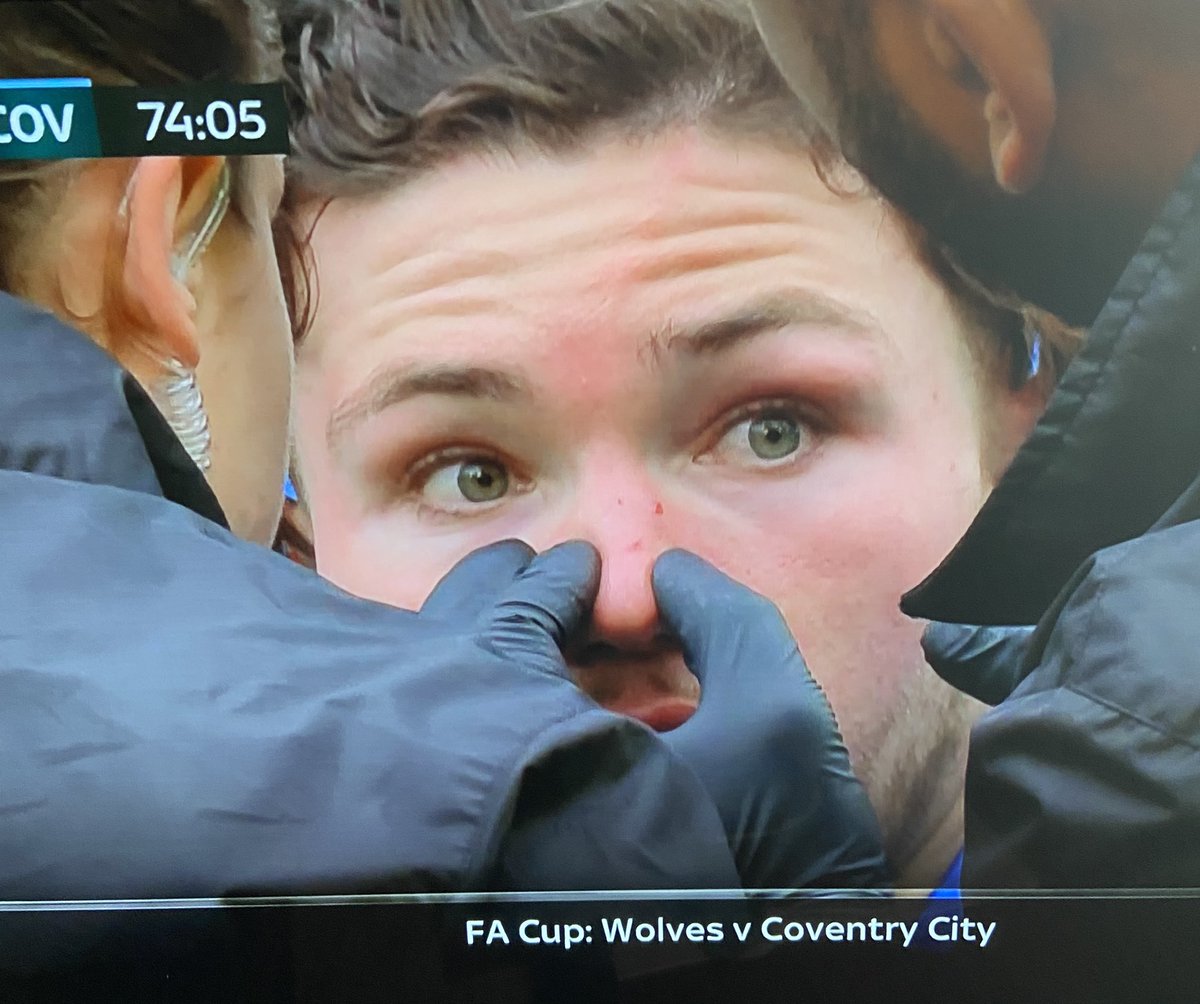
<point x="416" y="477"/>
<point x="816" y="424"/>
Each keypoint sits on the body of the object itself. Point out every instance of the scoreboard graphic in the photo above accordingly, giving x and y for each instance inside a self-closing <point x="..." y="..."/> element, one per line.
<point x="70" y="117"/>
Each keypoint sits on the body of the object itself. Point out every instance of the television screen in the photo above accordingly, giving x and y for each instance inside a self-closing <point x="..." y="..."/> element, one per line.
<point x="618" y="499"/>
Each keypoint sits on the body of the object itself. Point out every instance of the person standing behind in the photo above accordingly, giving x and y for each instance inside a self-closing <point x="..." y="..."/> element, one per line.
<point x="186" y="713"/>
<point x="1054" y="147"/>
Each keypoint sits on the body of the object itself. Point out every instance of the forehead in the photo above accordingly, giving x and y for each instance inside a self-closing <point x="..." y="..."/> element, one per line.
<point x="530" y="255"/>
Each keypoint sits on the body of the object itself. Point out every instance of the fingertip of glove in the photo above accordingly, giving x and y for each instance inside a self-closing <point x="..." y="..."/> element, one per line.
<point x="939" y="641"/>
<point x="511" y="554"/>
<point x="668" y="564"/>
<point x="575" y="561"/>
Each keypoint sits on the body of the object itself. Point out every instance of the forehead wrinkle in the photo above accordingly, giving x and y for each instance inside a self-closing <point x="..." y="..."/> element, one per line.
<point x="418" y="318"/>
<point x="440" y="267"/>
<point x="635" y="227"/>
<point x="498" y="238"/>
<point x="497" y="235"/>
<point x="689" y="236"/>
<point x="691" y="207"/>
<point x="496" y="251"/>
<point x="695" y="253"/>
<point x="402" y="295"/>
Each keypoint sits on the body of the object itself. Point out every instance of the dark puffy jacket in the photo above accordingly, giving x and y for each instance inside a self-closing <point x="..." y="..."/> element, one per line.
<point x="185" y="714"/>
<point x="1089" y="773"/>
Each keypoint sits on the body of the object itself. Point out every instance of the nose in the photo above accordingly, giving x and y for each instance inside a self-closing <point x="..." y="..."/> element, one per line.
<point x="619" y="511"/>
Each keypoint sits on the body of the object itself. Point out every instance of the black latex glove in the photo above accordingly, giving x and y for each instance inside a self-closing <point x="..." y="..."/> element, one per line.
<point x="616" y="810"/>
<point x="764" y="741"/>
<point x="523" y="604"/>
<point x="985" y="662"/>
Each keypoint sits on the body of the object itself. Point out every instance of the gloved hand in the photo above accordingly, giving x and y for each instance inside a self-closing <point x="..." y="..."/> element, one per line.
<point x="605" y="805"/>
<point x="986" y="663"/>
<point x="523" y="604"/>
<point x="764" y="741"/>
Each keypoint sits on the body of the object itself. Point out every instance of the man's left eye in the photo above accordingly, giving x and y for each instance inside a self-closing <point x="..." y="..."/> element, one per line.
<point x="773" y="437"/>
<point x="768" y="437"/>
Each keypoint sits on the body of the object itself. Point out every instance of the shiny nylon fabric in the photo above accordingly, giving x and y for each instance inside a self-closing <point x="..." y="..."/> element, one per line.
<point x="1117" y="447"/>
<point x="185" y="714"/>
<point x="1088" y="774"/>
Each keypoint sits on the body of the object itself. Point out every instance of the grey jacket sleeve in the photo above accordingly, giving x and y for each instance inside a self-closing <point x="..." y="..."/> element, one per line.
<point x="1088" y="775"/>
<point x="184" y="714"/>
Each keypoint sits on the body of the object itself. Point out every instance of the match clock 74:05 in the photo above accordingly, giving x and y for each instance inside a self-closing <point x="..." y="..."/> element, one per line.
<point x="217" y="119"/>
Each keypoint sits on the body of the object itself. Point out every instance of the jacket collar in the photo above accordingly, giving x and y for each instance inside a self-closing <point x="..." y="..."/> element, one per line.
<point x="67" y="410"/>
<point x="1118" y="447"/>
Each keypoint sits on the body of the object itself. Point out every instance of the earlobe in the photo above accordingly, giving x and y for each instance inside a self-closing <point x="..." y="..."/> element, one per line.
<point x="1012" y="165"/>
<point x="1010" y="49"/>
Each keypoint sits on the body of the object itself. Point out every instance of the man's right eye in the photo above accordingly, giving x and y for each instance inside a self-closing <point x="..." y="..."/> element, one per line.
<point x="464" y="483"/>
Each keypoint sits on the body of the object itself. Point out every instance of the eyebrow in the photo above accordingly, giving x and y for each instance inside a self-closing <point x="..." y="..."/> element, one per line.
<point x="800" y="308"/>
<point x="394" y="385"/>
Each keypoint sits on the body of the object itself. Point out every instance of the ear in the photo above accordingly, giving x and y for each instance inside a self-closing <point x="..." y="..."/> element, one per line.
<point x="1009" y="48"/>
<point x="119" y="274"/>
<point x="171" y="203"/>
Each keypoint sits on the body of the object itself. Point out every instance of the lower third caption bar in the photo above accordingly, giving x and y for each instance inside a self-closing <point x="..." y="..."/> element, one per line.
<point x="628" y="930"/>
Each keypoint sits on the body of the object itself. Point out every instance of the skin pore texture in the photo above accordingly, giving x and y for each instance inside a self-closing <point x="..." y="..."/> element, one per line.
<point x="682" y="341"/>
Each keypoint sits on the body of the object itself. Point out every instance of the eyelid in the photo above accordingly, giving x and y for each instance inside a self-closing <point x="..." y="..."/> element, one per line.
<point x="803" y="412"/>
<point x="418" y="475"/>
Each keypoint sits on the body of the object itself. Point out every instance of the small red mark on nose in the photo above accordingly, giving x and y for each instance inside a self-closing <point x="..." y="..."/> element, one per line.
<point x="658" y="510"/>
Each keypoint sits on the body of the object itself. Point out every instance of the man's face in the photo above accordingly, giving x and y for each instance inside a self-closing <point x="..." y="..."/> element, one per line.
<point x="688" y="343"/>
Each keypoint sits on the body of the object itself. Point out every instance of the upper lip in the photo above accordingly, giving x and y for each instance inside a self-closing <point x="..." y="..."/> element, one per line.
<point x="662" y="714"/>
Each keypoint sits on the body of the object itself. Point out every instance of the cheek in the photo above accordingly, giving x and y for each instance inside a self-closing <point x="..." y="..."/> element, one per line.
<point x="390" y="557"/>
<point x="390" y="568"/>
<point x="266" y="332"/>
<point x="865" y="524"/>
<point x="844" y="546"/>
<point x="273" y="389"/>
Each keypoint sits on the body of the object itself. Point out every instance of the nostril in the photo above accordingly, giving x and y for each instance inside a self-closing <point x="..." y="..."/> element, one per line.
<point x="595" y="651"/>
